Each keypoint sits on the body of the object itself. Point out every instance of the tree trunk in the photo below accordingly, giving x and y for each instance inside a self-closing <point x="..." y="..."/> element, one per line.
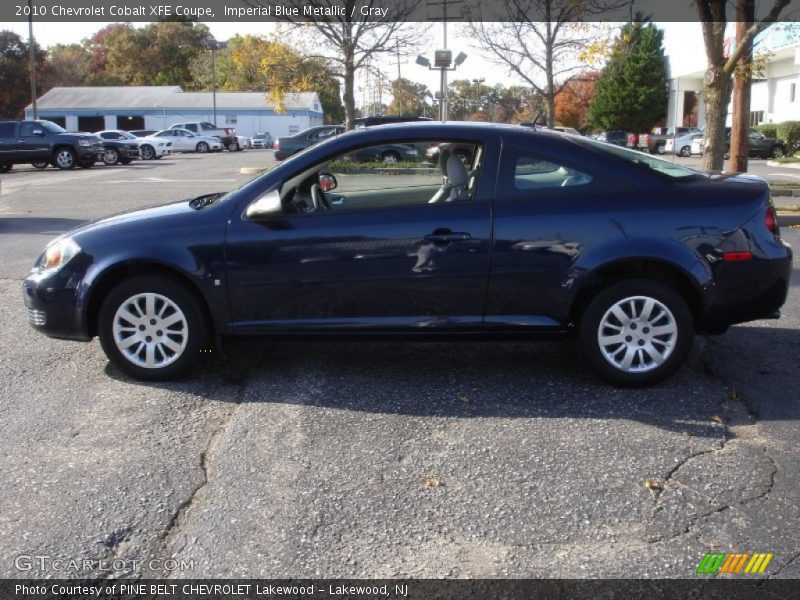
<point x="349" y="94"/>
<point x="741" y="91"/>
<point x="716" y="95"/>
<point x="551" y="109"/>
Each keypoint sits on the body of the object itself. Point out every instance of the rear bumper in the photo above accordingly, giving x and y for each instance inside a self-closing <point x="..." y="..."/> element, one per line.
<point x="747" y="291"/>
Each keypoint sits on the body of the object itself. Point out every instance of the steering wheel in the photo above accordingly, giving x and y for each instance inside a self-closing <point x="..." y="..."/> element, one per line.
<point x="320" y="198"/>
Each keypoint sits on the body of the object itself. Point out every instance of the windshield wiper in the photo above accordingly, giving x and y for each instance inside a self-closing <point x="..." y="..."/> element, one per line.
<point x="203" y="201"/>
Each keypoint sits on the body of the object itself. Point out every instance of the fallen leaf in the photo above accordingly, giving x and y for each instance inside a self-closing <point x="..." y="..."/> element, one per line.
<point x="654" y="486"/>
<point x="687" y="433"/>
<point x="431" y="481"/>
<point x="735" y="396"/>
<point x="718" y="419"/>
<point x="464" y="399"/>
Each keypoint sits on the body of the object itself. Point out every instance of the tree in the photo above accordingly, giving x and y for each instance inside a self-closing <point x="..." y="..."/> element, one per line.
<point x="631" y="92"/>
<point x="15" y="91"/>
<point x="68" y="65"/>
<point x="544" y="42"/>
<point x="350" y="42"/>
<point x="721" y="66"/>
<point x="572" y="102"/>
<point x="408" y="98"/>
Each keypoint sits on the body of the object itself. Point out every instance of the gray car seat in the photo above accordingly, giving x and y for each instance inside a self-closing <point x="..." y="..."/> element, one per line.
<point x="456" y="178"/>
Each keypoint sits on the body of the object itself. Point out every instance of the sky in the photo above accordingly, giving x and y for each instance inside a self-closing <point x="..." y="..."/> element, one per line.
<point x="683" y="43"/>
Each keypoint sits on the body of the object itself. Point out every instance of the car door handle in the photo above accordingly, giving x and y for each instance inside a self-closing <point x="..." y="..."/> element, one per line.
<point x="445" y="237"/>
<point x="337" y="200"/>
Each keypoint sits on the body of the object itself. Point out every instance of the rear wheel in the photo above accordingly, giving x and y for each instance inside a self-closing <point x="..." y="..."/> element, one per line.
<point x="390" y="157"/>
<point x="636" y="332"/>
<point x="64" y="158"/>
<point x="151" y="328"/>
<point x="40" y="164"/>
<point x="5" y="167"/>
<point x="777" y="152"/>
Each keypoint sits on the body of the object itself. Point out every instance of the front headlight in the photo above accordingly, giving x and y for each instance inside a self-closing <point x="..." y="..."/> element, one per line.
<point x="57" y="254"/>
<point x="85" y="142"/>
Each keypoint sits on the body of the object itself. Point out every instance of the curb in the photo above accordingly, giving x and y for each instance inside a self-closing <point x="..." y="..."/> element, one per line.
<point x="788" y="219"/>
<point x="793" y="193"/>
<point x="255" y="170"/>
<point x="772" y="163"/>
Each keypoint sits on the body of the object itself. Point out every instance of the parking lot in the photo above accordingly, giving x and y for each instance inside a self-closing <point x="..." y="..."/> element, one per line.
<point x="377" y="459"/>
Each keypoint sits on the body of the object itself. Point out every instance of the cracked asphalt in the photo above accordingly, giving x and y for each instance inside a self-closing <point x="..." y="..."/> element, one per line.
<point x="377" y="459"/>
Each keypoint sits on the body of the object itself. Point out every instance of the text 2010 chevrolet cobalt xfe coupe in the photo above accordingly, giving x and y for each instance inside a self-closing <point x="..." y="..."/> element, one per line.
<point x="537" y="233"/>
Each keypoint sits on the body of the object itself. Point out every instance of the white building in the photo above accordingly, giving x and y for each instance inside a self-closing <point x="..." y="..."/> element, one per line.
<point x="158" y="107"/>
<point x="775" y="93"/>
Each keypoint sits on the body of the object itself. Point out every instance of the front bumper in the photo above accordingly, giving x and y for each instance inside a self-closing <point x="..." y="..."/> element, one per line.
<point x="54" y="305"/>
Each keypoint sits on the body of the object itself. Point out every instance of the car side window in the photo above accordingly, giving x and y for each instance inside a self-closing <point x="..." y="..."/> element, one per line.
<point x="26" y="129"/>
<point x="523" y="173"/>
<point x="755" y="135"/>
<point x="388" y="175"/>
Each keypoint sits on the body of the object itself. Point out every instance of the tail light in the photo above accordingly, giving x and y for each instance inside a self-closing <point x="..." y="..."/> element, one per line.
<point x="277" y="145"/>
<point x="771" y="221"/>
<point x="633" y="139"/>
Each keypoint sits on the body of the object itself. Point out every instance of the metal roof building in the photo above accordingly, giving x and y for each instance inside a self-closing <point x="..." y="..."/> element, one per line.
<point x="158" y="107"/>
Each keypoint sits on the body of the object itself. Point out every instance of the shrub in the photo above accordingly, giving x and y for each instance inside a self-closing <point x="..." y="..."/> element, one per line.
<point x="789" y="131"/>
<point x="768" y="129"/>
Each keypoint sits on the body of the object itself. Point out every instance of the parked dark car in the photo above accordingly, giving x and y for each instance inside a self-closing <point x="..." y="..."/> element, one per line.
<point x="542" y="234"/>
<point x="758" y="145"/>
<point x="118" y="148"/>
<point x="289" y="145"/>
<point x="655" y="141"/>
<point x="386" y="120"/>
<point x="618" y="138"/>
<point x="389" y="153"/>
<point x="42" y="142"/>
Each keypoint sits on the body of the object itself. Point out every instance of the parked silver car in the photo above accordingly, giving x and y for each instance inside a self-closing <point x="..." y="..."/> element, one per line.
<point x="262" y="139"/>
<point x="184" y="140"/>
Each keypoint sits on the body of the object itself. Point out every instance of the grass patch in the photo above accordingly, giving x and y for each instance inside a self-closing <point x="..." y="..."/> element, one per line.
<point x="784" y="185"/>
<point x="787" y="160"/>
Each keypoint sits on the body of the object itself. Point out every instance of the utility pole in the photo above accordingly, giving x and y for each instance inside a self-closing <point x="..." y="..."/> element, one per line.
<point x="742" y="79"/>
<point x="32" y="59"/>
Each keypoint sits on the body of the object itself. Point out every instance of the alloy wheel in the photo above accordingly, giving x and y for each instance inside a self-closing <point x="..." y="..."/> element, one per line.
<point x="637" y="334"/>
<point x="65" y="159"/>
<point x="150" y="330"/>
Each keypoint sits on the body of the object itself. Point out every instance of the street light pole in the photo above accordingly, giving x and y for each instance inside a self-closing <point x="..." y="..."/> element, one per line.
<point x="32" y="59"/>
<point x="214" y="82"/>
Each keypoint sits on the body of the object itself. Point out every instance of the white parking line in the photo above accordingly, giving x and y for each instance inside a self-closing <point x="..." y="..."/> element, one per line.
<point x="784" y="175"/>
<point x="159" y="180"/>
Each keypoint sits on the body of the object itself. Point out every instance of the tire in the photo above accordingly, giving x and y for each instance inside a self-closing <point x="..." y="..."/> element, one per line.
<point x="234" y="147"/>
<point x="635" y="357"/>
<point x="202" y="147"/>
<point x="777" y="152"/>
<point x="150" y="356"/>
<point x="64" y="158"/>
<point x="125" y="161"/>
<point x="110" y="157"/>
<point x="87" y="163"/>
<point x="40" y="164"/>
<point x="685" y="152"/>
<point x="148" y="152"/>
<point x="661" y="149"/>
<point x="390" y="157"/>
<point x="6" y="167"/>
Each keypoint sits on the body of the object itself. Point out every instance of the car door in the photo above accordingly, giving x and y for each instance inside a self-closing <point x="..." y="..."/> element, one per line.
<point x="31" y="143"/>
<point x="757" y="143"/>
<point x="8" y="140"/>
<point x="548" y="208"/>
<point x="383" y="258"/>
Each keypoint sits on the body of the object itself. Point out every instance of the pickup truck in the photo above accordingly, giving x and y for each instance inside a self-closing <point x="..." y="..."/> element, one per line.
<point x="43" y="142"/>
<point x="655" y="141"/>
<point x="227" y="135"/>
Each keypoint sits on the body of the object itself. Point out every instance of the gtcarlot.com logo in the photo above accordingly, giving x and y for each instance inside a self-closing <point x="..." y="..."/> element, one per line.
<point x="734" y="563"/>
<point x="43" y="562"/>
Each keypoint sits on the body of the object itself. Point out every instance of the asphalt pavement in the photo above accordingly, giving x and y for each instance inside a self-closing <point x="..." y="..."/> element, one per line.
<point x="376" y="459"/>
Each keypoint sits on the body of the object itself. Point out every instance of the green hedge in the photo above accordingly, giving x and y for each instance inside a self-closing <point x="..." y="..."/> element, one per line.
<point x="790" y="132"/>
<point x="768" y="129"/>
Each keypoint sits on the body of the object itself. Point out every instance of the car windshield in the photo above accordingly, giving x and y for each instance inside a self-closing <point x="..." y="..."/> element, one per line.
<point x="51" y="127"/>
<point x="127" y="135"/>
<point x="643" y="161"/>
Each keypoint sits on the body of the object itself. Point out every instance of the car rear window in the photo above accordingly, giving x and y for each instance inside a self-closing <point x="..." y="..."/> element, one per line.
<point x="642" y="161"/>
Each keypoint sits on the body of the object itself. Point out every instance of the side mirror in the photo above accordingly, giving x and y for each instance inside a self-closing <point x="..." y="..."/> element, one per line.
<point x="268" y="204"/>
<point x="327" y="182"/>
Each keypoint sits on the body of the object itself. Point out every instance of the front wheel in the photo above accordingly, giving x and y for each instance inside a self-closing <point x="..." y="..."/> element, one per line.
<point x="110" y="157"/>
<point x="65" y="158"/>
<point x="151" y="328"/>
<point x="636" y="332"/>
<point x="202" y="147"/>
<point x="390" y="157"/>
<point x="777" y="152"/>
<point x="234" y="147"/>
<point x="685" y="152"/>
<point x="148" y="152"/>
<point x="5" y="167"/>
